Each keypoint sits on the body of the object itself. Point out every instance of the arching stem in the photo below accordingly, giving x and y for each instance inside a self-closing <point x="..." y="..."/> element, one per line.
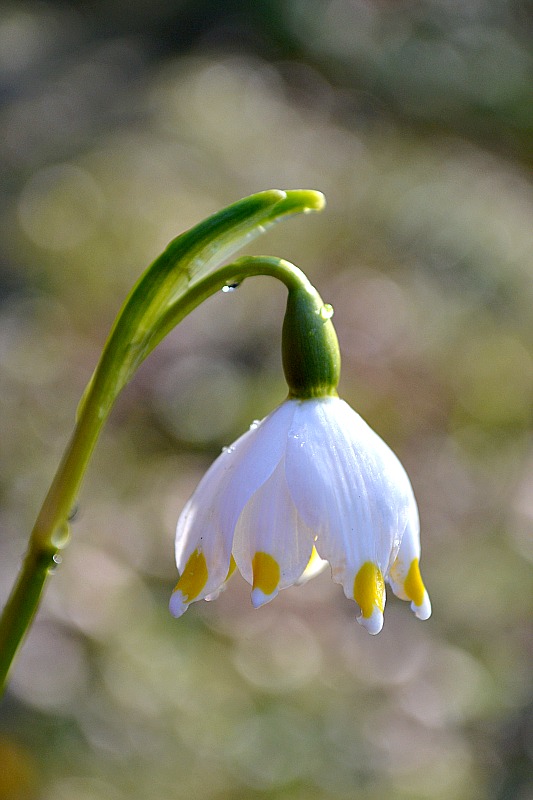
<point x="49" y="534"/>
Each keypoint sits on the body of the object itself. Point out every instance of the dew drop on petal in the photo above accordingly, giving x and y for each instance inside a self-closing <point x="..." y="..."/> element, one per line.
<point x="326" y="312"/>
<point x="230" y="287"/>
<point x="298" y="439"/>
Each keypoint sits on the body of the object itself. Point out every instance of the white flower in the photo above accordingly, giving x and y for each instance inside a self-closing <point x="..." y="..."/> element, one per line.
<point x="311" y="475"/>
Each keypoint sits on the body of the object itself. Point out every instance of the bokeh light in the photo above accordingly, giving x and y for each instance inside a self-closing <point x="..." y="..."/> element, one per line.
<point x="126" y="123"/>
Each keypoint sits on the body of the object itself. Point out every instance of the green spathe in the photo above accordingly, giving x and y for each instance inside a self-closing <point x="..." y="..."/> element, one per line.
<point x="310" y="349"/>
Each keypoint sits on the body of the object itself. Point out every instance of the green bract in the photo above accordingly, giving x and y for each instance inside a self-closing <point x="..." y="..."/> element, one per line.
<point x="161" y="298"/>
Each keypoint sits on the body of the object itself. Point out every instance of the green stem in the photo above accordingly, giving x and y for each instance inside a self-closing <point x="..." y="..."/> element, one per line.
<point x="234" y="273"/>
<point x="49" y="533"/>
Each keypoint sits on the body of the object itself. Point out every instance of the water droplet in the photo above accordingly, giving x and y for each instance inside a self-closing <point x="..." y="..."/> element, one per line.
<point x="298" y="439"/>
<point x="227" y="449"/>
<point x="326" y="312"/>
<point x="56" y="561"/>
<point x="255" y="424"/>
<point x="230" y="287"/>
<point x="60" y="536"/>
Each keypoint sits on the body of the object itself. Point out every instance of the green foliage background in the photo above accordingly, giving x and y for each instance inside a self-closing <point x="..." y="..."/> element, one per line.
<point x="122" y="125"/>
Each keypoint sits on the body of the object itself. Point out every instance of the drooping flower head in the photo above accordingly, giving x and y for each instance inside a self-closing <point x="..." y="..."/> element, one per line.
<point x="311" y="483"/>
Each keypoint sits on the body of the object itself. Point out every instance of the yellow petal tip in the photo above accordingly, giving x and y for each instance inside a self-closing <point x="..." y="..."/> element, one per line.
<point x="193" y="578"/>
<point x="369" y="592"/>
<point x="315" y="565"/>
<point x="266" y="573"/>
<point x="413" y="585"/>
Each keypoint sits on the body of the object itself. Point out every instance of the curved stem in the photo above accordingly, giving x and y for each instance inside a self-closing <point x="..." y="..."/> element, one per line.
<point x="236" y="272"/>
<point x="187" y="261"/>
<point x="49" y="536"/>
<point x="49" y="533"/>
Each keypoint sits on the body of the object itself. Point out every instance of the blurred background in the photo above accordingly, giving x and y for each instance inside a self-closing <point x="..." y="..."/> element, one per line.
<point x="122" y="124"/>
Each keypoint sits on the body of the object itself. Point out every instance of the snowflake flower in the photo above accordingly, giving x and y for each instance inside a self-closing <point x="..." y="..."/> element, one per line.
<point x="311" y="478"/>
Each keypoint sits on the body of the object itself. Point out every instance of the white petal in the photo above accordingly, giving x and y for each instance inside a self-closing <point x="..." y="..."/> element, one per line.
<point x="208" y="520"/>
<point x="272" y="544"/>
<point x="177" y="605"/>
<point x="373" y="623"/>
<point x="404" y="577"/>
<point x="348" y="486"/>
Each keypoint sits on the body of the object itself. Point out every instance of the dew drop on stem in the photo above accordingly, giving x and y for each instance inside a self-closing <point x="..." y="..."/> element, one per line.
<point x="230" y="287"/>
